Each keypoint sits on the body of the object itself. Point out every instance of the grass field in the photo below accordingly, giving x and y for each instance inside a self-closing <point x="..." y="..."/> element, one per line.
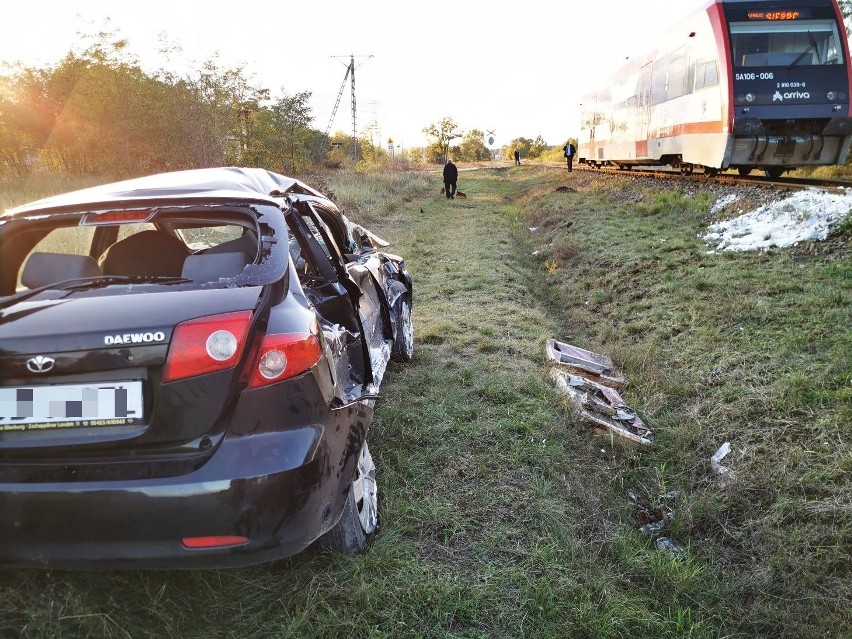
<point x="504" y="517"/>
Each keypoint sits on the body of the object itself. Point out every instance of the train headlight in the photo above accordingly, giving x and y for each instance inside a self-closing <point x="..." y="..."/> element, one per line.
<point x="750" y="97"/>
<point x="831" y="96"/>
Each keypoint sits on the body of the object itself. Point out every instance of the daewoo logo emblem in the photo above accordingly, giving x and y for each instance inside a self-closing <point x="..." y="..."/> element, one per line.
<point x="40" y="364"/>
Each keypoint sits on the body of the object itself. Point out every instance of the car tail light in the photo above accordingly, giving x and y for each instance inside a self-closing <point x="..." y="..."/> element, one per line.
<point x="206" y="345"/>
<point x="214" y="541"/>
<point x="283" y="356"/>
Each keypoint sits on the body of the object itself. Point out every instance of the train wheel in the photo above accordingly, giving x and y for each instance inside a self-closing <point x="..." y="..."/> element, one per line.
<point x="686" y="169"/>
<point x="774" y="172"/>
<point x="709" y="171"/>
<point x="744" y="170"/>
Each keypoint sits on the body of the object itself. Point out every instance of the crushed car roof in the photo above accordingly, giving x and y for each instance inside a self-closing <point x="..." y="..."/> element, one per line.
<point x="223" y="184"/>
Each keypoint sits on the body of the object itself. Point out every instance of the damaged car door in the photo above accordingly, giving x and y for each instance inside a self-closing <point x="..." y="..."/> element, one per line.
<point x="335" y="298"/>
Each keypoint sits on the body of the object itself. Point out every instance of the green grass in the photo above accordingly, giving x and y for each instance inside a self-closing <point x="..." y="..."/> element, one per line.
<point x="502" y="516"/>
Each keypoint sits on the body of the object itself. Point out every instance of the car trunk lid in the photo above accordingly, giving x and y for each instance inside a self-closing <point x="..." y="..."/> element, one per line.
<point x="96" y="358"/>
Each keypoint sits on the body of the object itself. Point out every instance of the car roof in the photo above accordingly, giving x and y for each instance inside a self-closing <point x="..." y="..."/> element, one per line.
<point x="219" y="185"/>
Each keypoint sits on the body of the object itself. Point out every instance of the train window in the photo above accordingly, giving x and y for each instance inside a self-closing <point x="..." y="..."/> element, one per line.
<point x="670" y="77"/>
<point x="706" y="74"/>
<point x="805" y="43"/>
<point x="678" y="75"/>
<point x="659" y="79"/>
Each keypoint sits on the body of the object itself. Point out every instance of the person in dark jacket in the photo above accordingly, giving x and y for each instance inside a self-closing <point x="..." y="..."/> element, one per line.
<point x="451" y="176"/>
<point x="569" y="150"/>
<point x="517" y="156"/>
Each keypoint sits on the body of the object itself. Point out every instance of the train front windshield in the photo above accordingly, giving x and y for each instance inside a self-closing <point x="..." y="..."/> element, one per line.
<point x="783" y="43"/>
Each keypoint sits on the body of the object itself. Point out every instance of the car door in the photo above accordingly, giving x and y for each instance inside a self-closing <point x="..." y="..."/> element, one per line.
<point x="334" y="296"/>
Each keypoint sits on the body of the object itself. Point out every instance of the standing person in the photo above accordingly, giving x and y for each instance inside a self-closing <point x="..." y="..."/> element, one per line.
<point x="451" y="176"/>
<point x="569" y="150"/>
<point x="517" y="157"/>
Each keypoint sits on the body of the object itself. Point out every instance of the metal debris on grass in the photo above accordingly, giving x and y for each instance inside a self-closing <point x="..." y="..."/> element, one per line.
<point x="602" y="407"/>
<point x="591" y="382"/>
<point x="653" y="520"/>
<point x="594" y="366"/>
<point x="668" y="546"/>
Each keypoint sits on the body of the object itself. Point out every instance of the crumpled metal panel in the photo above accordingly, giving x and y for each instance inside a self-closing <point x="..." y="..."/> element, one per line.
<point x="585" y="363"/>
<point x="591" y="383"/>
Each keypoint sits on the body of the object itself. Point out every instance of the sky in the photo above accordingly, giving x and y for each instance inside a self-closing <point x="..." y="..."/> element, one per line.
<point x="516" y="69"/>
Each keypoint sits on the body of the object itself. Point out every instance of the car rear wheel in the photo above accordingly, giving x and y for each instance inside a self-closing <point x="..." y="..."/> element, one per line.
<point x="360" y="519"/>
<point x="403" y="342"/>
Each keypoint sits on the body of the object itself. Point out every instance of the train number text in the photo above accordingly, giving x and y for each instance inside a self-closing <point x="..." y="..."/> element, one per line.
<point x="765" y="75"/>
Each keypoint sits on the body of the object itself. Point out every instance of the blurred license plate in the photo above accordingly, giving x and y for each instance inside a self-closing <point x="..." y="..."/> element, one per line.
<point x="71" y="406"/>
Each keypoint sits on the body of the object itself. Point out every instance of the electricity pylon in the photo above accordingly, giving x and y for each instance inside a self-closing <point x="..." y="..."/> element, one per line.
<point x="350" y="74"/>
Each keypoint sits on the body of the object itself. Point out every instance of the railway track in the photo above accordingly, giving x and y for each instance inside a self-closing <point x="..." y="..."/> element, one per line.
<point x="781" y="183"/>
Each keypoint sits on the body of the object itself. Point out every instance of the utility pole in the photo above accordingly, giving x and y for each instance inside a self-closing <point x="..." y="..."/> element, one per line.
<point x="350" y="72"/>
<point x="354" y="111"/>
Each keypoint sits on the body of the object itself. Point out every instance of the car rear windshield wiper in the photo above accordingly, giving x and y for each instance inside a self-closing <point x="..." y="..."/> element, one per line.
<point x="109" y="280"/>
<point x="97" y="281"/>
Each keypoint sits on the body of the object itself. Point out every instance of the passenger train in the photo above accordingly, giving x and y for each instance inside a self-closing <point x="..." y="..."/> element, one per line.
<point x="740" y="84"/>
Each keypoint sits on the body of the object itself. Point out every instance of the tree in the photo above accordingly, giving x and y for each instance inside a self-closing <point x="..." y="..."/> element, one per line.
<point x="371" y="153"/>
<point x="25" y="121"/>
<point x="97" y="112"/>
<point x="846" y="10"/>
<point x="444" y="132"/>
<point x="227" y="100"/>
<point x="339" y="151"/>
<point x="472" y="147"/>
<point x="521" y="144"/>
<point x="281" y="138"/>
<point x="538" y="147"/>
<point x="90" y="97"/>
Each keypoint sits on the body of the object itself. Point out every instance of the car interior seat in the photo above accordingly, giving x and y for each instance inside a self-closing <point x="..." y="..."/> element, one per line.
<point x="42" y="269"/>
<point x="147" y="253"/>
<point x="246" y="244"/>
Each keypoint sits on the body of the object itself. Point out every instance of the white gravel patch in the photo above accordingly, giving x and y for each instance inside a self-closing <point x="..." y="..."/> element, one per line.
<point x="803" y="216"/>
<point x="723" y="202"/>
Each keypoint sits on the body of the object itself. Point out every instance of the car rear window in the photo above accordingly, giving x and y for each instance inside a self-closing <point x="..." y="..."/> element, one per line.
<point x="72" y="240"/>
<point x="206" y="237"/>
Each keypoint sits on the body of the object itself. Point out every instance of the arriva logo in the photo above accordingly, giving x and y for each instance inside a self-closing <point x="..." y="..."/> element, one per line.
<point x="793" y="95"/>
<point x="134" y="338"/>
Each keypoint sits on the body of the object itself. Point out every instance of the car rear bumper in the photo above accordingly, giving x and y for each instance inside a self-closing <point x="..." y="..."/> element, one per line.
<point x="278" y="490"/>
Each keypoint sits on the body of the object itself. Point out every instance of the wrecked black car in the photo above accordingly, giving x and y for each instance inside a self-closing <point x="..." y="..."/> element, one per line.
<point x="189" y="364"/>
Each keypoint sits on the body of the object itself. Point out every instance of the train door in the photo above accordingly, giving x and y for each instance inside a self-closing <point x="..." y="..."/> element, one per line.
<point x="644" y="93"/>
